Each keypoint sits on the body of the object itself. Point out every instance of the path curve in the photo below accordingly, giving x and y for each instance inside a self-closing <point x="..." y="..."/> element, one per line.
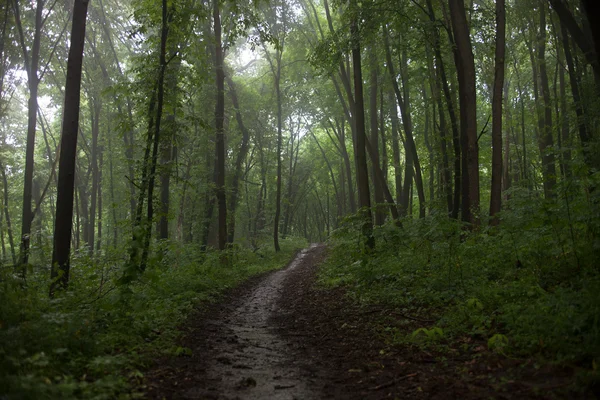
<point x="243" y="354"/>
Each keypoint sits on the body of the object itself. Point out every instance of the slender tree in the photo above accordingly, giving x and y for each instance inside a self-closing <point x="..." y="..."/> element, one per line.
<point x="496" y="190"/>
<point x="31" y="57"/>
<point x="465" y="66"/>
<point x="220" y="133"/>
<point x="362" y="176"/>
<point x="68" y="154"/>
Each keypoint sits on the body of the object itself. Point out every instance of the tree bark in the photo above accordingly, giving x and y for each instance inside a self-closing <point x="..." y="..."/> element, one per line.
<point x="439" y="62"/>
<point x="7" y="215"/>
<point x="546" y="141"/>
<point x="157" y="131"/>
<point x="66" y="177"/>
<point x="220" y="133"/>
<point x="413" y="166"/>
<point x="395" y="148"/>
<point x="95" y="108"/>
<point x="362" y="177"/>
<point x="584" y="137"/>
<point x="496" y="190"/>
<point x="468" y="112"/>
<point x="31" y="61"/>
<point x="240" y="158"/>
<point x="377" y="188"/>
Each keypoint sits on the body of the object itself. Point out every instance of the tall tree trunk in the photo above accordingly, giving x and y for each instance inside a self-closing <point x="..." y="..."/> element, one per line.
<point x="115" y="224"/>
<point x="428" y="143"/>
<point x="84" y="209"/>
<point x="100" y="162"/>
<point x="7" y="215"/>
<point x="377" y="188"/>
<point x="31" y="67"/>
<point x="155" y="146"/>
<point x="68" y="153"/>
<point x="384" y="152"/>
<point x="341" y="134"/>
<point x="468" y="112"/>
<point x="413" y="166"/>
<point x="168" y="150"/>
<point x="3" y="259"/>
<point x="395" y="148"/>
<point x="362" y="177"/>
<point x="439" y="62"/>
<point x="239" y="161"/>
<point x="220" y="133"/>
<point x="446" y="174"/>
<point x="496" y="190"/>
<point x="546" y="141"/>
<point x="509" y="128"/>
<point x="95" y="108"/>
<point x="581" y="123"/>
<point x="565" y="129"/>
<point x="166" y="159"/>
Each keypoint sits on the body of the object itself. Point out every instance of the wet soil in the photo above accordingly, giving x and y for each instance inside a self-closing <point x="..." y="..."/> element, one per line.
<point x="281" y="336"/>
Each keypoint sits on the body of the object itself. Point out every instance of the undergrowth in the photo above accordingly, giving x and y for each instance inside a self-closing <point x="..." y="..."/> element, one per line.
<point x="530" y="286"/>
<point x="93" y="341"/>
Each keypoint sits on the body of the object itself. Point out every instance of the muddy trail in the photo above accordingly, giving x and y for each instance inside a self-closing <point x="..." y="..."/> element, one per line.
<point x="280" y="336"/>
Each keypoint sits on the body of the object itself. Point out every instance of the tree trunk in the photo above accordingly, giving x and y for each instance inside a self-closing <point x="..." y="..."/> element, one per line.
<point x="546" y="141"/>
<point x="220" y="133"/>
<point x="241" y="157"/>
<point x="468" y="112"/>
<point x="446" y="174"/>
<point x="377" y="188"/>
<point x="506" y="163"/>
<point x="112" y="192"/>
<point x="66" y="176"/>
<point x="581" y="123"/>
<point x="155" y="146"/>
<point x="496" y="190"/>
<point x="341" y="134"/>
<point x="362" y="177"/>
<point x="428" y="143"/>
<point x="439" y="62"/>
<point x="7" y="215"/>
<point x="31" y="67"/>
<point x="95" y="108"/>
<point x="413" y="166"/>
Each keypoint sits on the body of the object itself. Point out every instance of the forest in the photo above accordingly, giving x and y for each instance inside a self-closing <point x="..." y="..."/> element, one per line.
<point x="156" y="155"/>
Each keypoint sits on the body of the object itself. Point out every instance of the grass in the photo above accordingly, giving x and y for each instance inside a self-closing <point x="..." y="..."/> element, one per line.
<point x="94" y="341"/>
<point x="530" y="287"/>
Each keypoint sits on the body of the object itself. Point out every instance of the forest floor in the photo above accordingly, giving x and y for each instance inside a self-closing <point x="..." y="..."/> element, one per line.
<point x="281" y="336"/>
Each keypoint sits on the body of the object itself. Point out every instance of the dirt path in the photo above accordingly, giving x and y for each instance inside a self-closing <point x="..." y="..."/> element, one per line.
<point x="279" y="336"/>
<point x="242" y="354"/>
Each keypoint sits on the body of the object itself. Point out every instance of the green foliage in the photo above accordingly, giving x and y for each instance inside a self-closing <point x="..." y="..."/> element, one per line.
<point x="432" y="335"/>
<point x="529" y="286"/>
<point x="91" y="341"/>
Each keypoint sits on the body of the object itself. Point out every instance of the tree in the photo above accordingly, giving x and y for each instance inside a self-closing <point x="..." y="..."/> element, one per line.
<point x="220" y="134"/>
<point x="66" y="169"/>
<point x="465" y="67"/>
<point x="362" y="177"/>
<point x="31" y="59"/>
<point x="275" y="64"/>
<point x="496" y="190"/>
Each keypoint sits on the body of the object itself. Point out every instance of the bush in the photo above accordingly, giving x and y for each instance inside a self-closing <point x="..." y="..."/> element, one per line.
<point x="92" y="340"/>
<point x="530" y="286"/>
